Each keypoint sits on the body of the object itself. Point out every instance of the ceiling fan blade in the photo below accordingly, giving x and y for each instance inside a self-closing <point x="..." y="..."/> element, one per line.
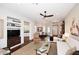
<point x="41" y="14"/>
<point x="49" y="15"/>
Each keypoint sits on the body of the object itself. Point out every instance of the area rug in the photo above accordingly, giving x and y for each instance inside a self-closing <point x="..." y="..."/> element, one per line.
<point x="53" y="49"/>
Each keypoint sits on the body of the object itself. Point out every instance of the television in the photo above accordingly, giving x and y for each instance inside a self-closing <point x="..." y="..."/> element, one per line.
<point x="12" y="33"/>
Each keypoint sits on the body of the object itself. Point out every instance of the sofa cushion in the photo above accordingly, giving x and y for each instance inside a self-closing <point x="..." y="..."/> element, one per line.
<point x="73" y="41"/>
<point x="74" y="37"/>
<point x="71" y="50"/>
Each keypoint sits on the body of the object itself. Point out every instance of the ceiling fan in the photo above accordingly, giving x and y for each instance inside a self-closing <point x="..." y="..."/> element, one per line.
<point x="44" y="15"/>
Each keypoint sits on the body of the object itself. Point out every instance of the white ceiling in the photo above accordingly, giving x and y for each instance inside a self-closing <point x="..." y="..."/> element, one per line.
<point x="32" y="10"/>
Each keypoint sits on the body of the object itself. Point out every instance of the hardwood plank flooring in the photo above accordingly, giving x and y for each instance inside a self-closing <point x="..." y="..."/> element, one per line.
<point x="26" y="41"/>
<point x="53" y="49"/>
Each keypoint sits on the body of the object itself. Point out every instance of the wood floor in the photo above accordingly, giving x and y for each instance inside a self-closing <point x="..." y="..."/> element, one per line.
<point x="53" y="49"/>
<point x="26" y="41"/>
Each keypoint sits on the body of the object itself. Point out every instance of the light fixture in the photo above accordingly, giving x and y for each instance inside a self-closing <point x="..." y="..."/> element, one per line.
<point x="35" y="3"/>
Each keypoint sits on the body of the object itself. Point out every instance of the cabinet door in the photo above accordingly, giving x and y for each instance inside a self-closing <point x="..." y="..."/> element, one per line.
<point x="1" y="28"/>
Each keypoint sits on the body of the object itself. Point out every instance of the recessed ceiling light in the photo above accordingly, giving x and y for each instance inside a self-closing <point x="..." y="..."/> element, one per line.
<point x="35" y="3"/>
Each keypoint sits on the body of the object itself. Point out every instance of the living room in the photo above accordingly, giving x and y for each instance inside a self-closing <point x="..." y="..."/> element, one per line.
<point x="52" y="26"/>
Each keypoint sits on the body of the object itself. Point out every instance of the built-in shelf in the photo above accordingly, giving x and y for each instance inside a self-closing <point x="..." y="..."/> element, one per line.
<point x="13" y="32"/>
<point x="13" y="23"/>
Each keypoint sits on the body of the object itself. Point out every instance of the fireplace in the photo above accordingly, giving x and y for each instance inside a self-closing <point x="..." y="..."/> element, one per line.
<point x="13" y="38"/>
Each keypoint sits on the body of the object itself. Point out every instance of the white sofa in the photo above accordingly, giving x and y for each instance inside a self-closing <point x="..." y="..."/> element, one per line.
<point x="74" y="41"/>
<point x="64" y="48"/>
<point x="67" y="48"/>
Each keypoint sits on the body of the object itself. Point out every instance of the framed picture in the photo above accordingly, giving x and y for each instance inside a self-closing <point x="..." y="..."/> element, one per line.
<point x="75" y="28"/>
<point x="39" y="29"/>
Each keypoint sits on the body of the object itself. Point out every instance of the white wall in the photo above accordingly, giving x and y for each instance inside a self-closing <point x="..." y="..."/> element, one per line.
<point x="32" y="30"/>
<point x="3" y="41"/>
<point x="6" y="12"/>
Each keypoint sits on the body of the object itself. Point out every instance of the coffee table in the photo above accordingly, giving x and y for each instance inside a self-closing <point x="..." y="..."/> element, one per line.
<point x="43" y="50"/>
